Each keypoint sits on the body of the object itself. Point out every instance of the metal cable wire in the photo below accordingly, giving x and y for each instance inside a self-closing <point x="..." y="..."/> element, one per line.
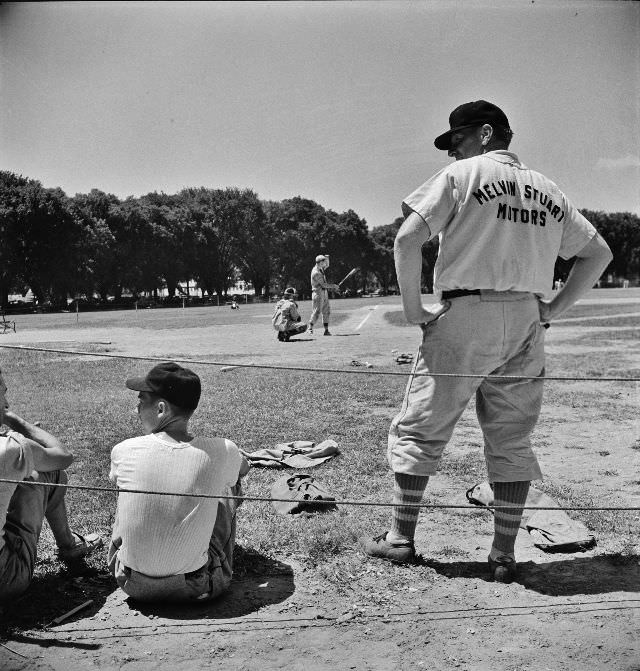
<point x="344" y="502"/>
<point x="313" y="370"/>
<point x="355" y="371"/>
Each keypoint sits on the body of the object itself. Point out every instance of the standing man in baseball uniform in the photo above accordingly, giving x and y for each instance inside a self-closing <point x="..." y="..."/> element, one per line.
<point x="501" y="227"/>
<point x="320" y="293"/>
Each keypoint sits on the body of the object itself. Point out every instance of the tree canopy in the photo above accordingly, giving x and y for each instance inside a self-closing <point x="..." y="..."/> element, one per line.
<point x="95" y="244"/>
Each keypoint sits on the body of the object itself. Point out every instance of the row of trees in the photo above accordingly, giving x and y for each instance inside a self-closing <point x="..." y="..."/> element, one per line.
<point x="98" y="245"/>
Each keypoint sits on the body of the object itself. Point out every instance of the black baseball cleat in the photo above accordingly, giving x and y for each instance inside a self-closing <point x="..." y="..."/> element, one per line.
<point x="326" y="333"/>
<point x="503" y="569"/>
<point x="280" y="336"/>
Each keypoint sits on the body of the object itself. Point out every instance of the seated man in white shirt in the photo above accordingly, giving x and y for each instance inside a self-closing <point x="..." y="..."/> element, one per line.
<point x="173" y="548"/>
<point x="32" y="455"/>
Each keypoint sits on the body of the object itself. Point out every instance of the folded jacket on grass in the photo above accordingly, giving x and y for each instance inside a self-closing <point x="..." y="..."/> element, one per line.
<point x="296" y="454"/>
<point x="551" y="530"/>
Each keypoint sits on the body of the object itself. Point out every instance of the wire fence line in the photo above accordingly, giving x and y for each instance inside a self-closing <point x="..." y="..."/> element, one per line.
<point x="314" y="370"/>
<point x="353" y="371"/>
<point x="345" y="502"/>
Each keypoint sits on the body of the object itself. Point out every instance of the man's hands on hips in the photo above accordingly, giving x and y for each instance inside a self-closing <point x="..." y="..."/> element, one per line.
<point x="544" y="308"/>
<point x="425" y="315"/>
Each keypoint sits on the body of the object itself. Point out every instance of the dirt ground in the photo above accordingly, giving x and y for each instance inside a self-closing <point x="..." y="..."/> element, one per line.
<point x="565" y="612"/>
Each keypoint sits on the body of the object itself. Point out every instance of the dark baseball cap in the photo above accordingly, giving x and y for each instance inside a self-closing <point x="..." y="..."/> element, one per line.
<point x="470" y="115"/>
<point x="180" y="386"/>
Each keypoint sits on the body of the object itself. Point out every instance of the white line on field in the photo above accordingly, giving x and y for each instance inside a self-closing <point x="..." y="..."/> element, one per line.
<point x="361" y="324"/>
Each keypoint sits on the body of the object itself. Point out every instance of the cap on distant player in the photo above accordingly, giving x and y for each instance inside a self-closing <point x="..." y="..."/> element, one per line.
<point x="290" y="291"/>
<point x="469" y="115"/>
<point x="321" y="257"/>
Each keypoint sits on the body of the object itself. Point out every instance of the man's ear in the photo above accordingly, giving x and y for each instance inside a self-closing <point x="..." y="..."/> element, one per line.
<point x="486" y="134"/>
<point x="162" y="407"/>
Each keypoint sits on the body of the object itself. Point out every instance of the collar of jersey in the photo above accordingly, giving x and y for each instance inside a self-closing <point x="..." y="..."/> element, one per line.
<point x="502" y="156"/>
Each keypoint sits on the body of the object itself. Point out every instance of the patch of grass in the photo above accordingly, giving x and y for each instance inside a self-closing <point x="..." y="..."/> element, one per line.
<point x="597" y="309"/>
<point x="611" y="321"/>
<point x="606" y="401"/>
<point x="397" y="318"/>
<point x="85" y="403"/>
<point x="596" y="363"/>
<point x="467" y="466"/>
<point x="169" y="318"/>
<point x="618" y="527"/>
<point x="596" y="338"/>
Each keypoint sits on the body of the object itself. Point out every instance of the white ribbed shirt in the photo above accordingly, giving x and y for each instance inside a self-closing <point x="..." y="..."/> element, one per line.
<point x="169" y="535"/>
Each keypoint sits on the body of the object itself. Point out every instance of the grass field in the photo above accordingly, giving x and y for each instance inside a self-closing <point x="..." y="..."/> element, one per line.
<point x="82" y="400"/>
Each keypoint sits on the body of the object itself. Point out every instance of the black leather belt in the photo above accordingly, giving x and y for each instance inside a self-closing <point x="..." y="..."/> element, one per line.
<point x="456" y="293"/>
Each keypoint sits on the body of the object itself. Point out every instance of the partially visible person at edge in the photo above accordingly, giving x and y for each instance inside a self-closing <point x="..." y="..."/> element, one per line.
<point x="173" y="548"/>
<point x="501" y="227"/>
<point x="320" y="293"/>
<point x="33" y="455"/>
<point x="286" y="317"/>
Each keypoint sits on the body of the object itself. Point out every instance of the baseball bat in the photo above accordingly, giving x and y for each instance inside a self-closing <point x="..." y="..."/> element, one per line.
<point x="351" y="273"/>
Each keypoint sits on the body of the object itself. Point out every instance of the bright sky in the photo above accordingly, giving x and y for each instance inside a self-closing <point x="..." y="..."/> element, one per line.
<point x="334" y="101"/>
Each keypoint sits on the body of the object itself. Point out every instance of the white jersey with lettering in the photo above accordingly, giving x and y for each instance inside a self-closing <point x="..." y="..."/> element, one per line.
<point x="501" y="225"/>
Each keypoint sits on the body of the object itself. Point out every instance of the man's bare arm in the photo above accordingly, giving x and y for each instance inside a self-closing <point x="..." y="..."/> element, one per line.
<point x="590" y="263"/>
<point x="407" y="251"/>
<point x="49" y="454"/>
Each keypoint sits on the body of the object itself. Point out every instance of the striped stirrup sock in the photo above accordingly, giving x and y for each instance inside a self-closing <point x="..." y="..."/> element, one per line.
<point x="406" y="489"/>
<point x="507" y="521"/>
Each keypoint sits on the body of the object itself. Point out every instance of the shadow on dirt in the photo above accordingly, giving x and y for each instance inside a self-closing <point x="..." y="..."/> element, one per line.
<point x="258" y="581"/>
<point x="564" y="577"/>
<point x="52" y="595"/>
